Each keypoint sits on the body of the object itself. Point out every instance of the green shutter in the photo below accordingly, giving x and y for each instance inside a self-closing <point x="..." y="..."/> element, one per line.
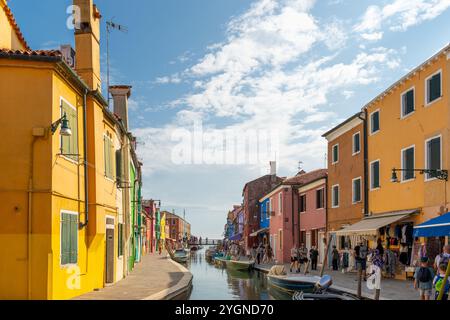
<point x="105" y="153"/>
<point x="65" y="239"/>
<point x="69" y="145"/>
<point x="73" y="239"/>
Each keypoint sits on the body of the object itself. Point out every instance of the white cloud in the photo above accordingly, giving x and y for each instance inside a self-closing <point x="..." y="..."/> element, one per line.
<point x="399" y="15"/>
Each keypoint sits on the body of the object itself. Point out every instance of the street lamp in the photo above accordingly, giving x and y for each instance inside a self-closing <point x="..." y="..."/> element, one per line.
<point x="435" y="173"/>
<point x="65" y="129"/>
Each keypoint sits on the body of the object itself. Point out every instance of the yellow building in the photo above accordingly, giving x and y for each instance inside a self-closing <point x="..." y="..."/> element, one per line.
<point x="52" y="245"/>
<point x="408" y="130"/>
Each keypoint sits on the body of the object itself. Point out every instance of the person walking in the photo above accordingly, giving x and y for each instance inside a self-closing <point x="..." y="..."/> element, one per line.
<point x="423" y="279"/>
<point x="444" y="257"/>
<point x="259" y="253"/>
<point x="313" y="255"/>
<point x="361" y="258"/>
<point x="294" y="258"/>
<point x="302" y="257"/>
<point x="438" y="282"/>
<point x="335" y="258"/>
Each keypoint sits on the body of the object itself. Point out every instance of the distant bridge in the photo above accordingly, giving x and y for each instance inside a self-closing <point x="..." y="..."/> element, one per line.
<point x="206" y="242"/>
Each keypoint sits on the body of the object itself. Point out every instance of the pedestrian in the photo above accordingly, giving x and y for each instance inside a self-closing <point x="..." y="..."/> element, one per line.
<point x="302" y="256"/>
<point x="160" y="247"/>
<point x="444" y="257"/>
<point x="361" y="258"/>
<point x="423" y="279"/>
<point x="438" y="282"/>
<point x="253" y="257"/>
<point x="294" y="258"/>
<point x="313" y="255"/>
<point x="259" y="253"/>
<point x="266" y="254"/>
<point x="335" y="258"/>
<point x="380" y="247"/>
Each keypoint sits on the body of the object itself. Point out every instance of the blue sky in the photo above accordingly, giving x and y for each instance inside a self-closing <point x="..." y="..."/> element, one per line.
<point x="293" y="67"/>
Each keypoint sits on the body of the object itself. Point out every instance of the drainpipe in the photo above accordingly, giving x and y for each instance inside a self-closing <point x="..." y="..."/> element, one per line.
<point x="366" y="163"/>
<point x="85" y="150"/>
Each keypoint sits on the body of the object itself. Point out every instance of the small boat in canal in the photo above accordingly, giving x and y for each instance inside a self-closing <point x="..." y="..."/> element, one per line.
<point x="181" y="256"/>
<point x="279" y="279"/>
<point x="322" y="291"/>
<point x="239" y="264"/>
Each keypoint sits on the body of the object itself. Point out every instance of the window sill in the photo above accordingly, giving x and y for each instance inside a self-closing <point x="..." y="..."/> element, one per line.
<point x="375" y="189"/>
<point x="67" y="158"/>
<point x="428" y="104"/>
<point x="374" y="133"/>
<point x="403" y="117"/>
<point x="356" y="202"/>
<point x="409" y="180"/>
<point x="356" y="153"/>
<point x="68" y="266"/>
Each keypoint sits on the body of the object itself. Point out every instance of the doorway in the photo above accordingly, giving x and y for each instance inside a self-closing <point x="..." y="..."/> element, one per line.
<point x="109" y="250"/>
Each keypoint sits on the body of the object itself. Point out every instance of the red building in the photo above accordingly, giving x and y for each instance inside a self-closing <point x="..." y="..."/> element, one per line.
<point x="253" y="191"/>
<point x="149" y="211"/>
<point x="285" y="209"/>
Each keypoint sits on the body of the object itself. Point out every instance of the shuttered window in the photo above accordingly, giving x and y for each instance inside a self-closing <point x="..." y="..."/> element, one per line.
<point x="69" y="144"/>
<point x="302" y="203"/>
<point x="356" y="190"/>
<point x="408" y="164"/>
<point x="109" y="156"/>
<point x="335" y="155"/>
<point x="320" y="199"/>
<point x="434" y="87"/>
<point x="356" y="143"/>
<point x="69" y="238"/>
<point x="408" y="103"/>
<point x="119" y="165"/>
<point x="335" y="196"/>
<point x="375" y="122"/>
<point x="120" y="240"/>
<point x="375" y="175"/>
<point x="433" y="147"/>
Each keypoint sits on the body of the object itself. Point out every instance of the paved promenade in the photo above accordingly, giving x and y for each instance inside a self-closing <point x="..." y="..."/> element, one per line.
<point x="154" y="278"/>
<point x="390" y="289"/>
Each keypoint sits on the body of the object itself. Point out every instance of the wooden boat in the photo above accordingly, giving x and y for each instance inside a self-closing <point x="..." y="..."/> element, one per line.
<point x="293" y="283"/>
<point x="220" y="261"/>
<point x="240" y="264"/>
<point x="180" y="256"/>
<point x="194" y="248"/>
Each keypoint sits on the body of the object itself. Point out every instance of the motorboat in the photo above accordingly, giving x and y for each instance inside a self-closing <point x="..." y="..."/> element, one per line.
<point x="291" y="283"/>
<point x="322" y="291"/>
<point x="239" y="264"/>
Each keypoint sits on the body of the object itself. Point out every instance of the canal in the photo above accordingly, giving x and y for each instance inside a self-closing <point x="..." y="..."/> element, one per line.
<point x="215" y="283"/>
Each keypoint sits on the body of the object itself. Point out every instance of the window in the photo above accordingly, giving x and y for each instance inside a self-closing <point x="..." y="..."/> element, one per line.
<point x="280" y="202"/>
<point x="356" y="190"/>
<point x="433" y="155"/>
<point x="270" y="206"/>
<point x="433" y="87"/>
<point x="120" y="240"/>
<point x="408" y="102"/>
<point x="280" y="237"/>
<point x="375" y="174"/>
<point x="356" y="143"/>
<point x="408" y="163"/>
<point x="69" y="144"/>
<point x="335" y="196"/>
<point x="119" y="172"/>
<point x="375" y="122"/>
<point x="69" y="238"/>
<point x="108" y="154"/>
<point x="302" y="203"/>
<point x="335" y="153"/>
<point x="320" y="199"/>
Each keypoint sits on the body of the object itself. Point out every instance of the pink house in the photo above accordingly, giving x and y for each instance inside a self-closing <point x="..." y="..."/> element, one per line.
<point x="285" y="206"/>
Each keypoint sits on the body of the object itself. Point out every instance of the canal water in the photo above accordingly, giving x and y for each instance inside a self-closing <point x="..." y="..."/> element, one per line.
<point x="215" y="283"/>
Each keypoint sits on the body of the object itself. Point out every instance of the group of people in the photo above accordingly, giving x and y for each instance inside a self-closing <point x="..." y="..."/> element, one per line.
<point x="262" y="254"/>
<point x="427" y="278"/>
<point x="299" y="258"/>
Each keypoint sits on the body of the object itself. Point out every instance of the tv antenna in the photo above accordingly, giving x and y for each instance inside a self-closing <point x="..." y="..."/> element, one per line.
<point x="110" y="26"/>
<point x="300" y="166"/>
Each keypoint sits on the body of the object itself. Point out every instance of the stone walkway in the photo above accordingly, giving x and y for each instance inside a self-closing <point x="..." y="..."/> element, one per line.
<point x="390" y="289"/>
<point x="154" y="278"/>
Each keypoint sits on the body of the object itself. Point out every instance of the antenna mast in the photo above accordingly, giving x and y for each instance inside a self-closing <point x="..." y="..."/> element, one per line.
<point x="111" y="25"/>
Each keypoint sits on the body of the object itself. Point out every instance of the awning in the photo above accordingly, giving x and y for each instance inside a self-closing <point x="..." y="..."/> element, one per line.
<point x="369" y="226"/>
<point x="254" y="234"/>
<point x="437" y="227"/>
<point x="236" y="237"/>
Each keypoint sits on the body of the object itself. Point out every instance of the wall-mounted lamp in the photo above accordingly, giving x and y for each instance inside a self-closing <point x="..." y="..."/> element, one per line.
<point x="434" y="173"/>
<point x="65" y="129"/>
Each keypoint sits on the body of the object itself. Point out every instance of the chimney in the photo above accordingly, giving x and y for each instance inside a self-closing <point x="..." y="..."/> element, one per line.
<point x="120" y="96"/>
<point x="87" y="43"/>
<point x="273" y="168"/>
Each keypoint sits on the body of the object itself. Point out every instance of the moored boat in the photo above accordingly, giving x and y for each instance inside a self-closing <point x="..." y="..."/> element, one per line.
<point x="239" y="264"/>
<point x="180" y="256"/>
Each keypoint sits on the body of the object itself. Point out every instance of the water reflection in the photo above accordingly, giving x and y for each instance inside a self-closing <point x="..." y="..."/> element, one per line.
<point x="217" y="283"/>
